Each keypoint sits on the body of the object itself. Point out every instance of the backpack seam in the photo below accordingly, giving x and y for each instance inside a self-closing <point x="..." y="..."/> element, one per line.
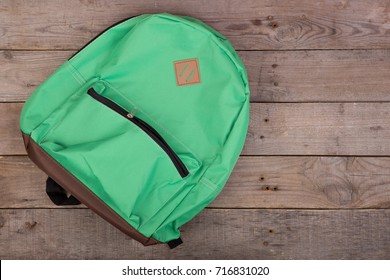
<point x="76" y="74"/>
<point x="203" y="181"/>
<point x="162" y="206"/>
<point x="68" y="67"/>
<point x="208" y="183"/>
<point x="235" y="60"/>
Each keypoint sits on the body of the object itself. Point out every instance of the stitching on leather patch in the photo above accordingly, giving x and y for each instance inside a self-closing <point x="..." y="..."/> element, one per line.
<point x="187" y="72"/>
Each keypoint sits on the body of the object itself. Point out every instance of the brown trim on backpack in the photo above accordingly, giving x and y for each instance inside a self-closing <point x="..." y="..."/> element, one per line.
<point x="70" y="183"/>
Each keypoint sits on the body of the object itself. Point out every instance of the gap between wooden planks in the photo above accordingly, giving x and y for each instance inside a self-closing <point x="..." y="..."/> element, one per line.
<point x="248" y="24"/>
<point x="213" y="234"/>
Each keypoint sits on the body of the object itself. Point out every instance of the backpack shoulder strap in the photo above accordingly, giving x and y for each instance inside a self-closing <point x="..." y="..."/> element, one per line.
<point x="58" y="195"/>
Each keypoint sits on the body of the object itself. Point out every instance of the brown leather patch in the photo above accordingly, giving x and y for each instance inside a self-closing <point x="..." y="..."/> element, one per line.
<point x="187" y="72"/>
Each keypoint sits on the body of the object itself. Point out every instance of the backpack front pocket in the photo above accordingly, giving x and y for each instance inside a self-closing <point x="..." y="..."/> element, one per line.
<point x="118" y="156"/>
<point x="181" y="168"/>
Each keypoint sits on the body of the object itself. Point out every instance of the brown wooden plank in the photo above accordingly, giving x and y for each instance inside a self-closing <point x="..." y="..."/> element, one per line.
<point x="10" y="135"/>
<point x="280" y="129"/>
<point x="307" y="182"/>
<point x="216" y="234"/>
<point x="274" y="76"/>
<point x="249" y="24"/>
<point x="23" y="71"/>
<point x="318" y="76"/>
<point x="319" y="129"/>
<point x="256" y="182"/>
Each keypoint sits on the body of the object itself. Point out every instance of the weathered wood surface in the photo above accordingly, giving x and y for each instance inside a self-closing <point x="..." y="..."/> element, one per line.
<point x="10" y="135"/>
<point x="213" y="234"/>
<point x="256" y="182"/>
<point x="319" y="129"/>
<point x="351" y="129"/>
<point x="274" y="76"/>
<point x="248" y="24"/>
<point x="319" y="75"/>
<point x="22" y="72"/>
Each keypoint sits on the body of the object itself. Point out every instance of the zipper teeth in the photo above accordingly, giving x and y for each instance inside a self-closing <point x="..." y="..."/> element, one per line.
<point x="112" y="105"/>
<point x="150" y="131"/>
<point x="158" y="138"/>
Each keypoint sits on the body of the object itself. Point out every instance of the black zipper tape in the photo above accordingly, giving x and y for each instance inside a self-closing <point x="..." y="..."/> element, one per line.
<point x="180" y="166"/>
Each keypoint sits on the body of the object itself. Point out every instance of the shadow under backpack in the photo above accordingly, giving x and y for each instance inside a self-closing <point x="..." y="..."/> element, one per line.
<point x="143" y="125"/>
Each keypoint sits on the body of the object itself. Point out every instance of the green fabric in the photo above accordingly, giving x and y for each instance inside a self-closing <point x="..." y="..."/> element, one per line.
<point x="133" y="65"/>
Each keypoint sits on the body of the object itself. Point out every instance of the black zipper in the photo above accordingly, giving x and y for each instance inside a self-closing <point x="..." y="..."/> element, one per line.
<point x="181" y="168"/>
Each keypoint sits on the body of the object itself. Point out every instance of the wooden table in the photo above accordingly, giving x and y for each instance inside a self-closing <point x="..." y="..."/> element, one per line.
<point x="313" y="180"/>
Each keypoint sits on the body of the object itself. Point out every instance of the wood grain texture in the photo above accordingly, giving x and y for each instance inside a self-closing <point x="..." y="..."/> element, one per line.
<point x="309" y="146"/>
<point x="319" y="129"/>
<point x="307" y="182"/>
<point x="274" y="76"/>
<point x="10" y="134"/>
<point x="256" y="182"/>
<point x="22" y="72"/>
<point x="318" y="76"/>
<point x="216" y="234"/>
<point x="351" y="129"/>
<point x="248" y="24"/>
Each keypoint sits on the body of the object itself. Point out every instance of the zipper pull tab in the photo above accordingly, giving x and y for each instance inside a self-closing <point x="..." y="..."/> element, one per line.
<point x="131" y="114"/>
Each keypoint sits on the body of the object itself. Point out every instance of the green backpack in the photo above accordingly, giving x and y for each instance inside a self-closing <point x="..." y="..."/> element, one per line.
<point x="143" y="125"/>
